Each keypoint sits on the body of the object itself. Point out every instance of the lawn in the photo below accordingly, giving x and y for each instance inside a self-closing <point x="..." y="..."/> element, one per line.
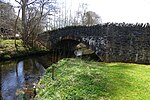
<point x="9" y="51"/>
<point x="75" y="79"/>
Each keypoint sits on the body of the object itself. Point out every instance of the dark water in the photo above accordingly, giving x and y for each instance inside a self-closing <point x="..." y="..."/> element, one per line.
<point x="18" y="77"/>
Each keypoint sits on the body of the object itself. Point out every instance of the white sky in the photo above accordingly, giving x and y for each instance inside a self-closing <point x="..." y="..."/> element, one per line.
<point x="129" y="11"/>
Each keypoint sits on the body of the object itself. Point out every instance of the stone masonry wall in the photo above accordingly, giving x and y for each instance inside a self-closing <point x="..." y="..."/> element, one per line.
<point x="111" y="42"/>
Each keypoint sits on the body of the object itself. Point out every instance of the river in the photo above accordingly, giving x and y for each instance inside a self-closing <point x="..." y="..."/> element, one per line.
<point x="18" y="78"/>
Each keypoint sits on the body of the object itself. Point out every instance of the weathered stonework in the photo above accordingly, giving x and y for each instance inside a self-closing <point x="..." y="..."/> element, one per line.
<point x="111" y="42"/>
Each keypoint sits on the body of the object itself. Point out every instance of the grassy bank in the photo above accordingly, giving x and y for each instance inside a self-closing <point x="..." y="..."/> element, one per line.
<point x="9" y="51"/>
<point x="86" y="80"/>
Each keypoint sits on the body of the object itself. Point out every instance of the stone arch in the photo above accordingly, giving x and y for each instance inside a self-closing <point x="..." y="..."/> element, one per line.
<point x="66" y="38"/>
<point x="76" y="40"/>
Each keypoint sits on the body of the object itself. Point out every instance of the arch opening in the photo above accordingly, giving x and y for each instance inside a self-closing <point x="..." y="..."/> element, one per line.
<point x="70" y="46"/>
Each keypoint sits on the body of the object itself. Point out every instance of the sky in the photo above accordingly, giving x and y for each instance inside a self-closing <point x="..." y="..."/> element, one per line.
<point x="129" y="11"/>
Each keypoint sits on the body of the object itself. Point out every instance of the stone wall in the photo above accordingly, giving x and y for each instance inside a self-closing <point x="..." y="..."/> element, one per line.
<point x="111" y="42"/>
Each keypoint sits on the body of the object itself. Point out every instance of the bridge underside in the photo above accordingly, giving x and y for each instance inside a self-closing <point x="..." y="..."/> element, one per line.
<point x="66" y="44"/>
<point x="69" y="45"/>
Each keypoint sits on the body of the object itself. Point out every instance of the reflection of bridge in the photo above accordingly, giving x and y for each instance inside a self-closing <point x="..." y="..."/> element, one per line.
<point x="111" y="42"/>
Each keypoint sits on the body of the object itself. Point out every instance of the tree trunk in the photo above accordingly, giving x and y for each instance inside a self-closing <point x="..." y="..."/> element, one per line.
<point x="24" y="28"/>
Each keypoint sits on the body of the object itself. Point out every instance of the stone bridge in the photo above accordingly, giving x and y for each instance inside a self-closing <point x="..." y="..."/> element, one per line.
<point x="111" y="42"/>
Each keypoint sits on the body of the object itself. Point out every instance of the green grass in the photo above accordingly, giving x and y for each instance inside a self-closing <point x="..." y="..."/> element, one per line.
<point x="9" y="46"/>
<point x="86" y="80"/>
<point x="9" y="51"/>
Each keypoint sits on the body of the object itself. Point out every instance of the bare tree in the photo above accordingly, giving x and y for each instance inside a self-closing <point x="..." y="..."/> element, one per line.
<point x="33" y="12"/>
<point x="7" y="18"/>
<point x="91" y="18"/>
<point x="76" y="18"/>
<point x="15" y="29"/>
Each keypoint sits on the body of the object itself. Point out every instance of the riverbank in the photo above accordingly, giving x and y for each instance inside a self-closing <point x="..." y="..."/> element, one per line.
<point x="75" y="79"/>
<point x="9" y="51"/>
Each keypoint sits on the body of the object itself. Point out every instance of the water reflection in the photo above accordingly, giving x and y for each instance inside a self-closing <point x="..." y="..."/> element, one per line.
<point x="19" y="72"/>
<point x="19" y="75"/>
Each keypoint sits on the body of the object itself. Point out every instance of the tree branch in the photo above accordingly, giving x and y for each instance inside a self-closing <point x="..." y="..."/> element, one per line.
<point x="18" y="2"/>
<point x="31" y="2"/>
